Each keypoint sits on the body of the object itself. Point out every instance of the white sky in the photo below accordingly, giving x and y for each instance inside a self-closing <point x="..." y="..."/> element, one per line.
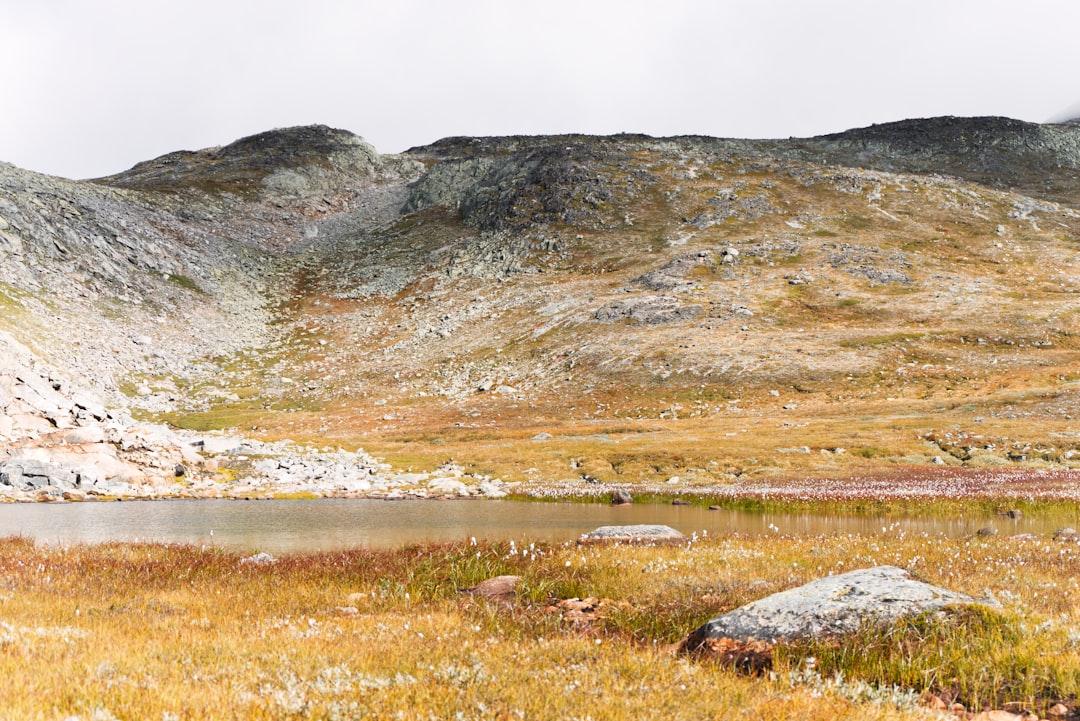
<point x="90" y="87"/>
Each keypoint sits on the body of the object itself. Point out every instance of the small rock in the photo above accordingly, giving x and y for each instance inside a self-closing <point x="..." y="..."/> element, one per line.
<point x="1066" y="535"/>
<point x="1014" y="513"/>
<point x="1058" y="709"/>
<point x="681" y="502"/>
<point x="259" y="559"/>
<point x="499" y="588"/>
<point x="180" y="470"/>
<point x="621" y="497"/>
<point x="932" y="701"/>
<point x="996" y="715"/>
<point x="987" y="531"/>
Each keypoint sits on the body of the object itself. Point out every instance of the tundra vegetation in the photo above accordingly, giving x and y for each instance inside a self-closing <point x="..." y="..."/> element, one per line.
<point x="159" y="631"/>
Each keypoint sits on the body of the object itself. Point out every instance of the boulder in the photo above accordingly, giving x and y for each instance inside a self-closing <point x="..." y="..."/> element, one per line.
<point x="89" y="404"/>
<point x="40" y="394"/>
<point x="621" y="497"/>
<point x="448" y="487"/>
<point x="26" y="474"/>
<point x="499" y="588"/>
<point x="831" y="606"/>
<point x="493" y="489"/>
<point x="637" y="533"/>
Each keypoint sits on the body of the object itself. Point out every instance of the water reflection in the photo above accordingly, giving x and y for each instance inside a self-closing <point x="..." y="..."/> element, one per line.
<point x="328" y="524"/>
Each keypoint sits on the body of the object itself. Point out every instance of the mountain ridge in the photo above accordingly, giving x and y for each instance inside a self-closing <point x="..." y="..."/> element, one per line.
<point x="477" y="292"/>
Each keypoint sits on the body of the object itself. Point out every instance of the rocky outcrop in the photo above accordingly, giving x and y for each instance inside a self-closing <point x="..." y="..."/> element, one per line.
<point x="292" y="162"/>
<point x="831" y="606"/>
<point x="648" y="310"/>
<point x="994" y="151"/>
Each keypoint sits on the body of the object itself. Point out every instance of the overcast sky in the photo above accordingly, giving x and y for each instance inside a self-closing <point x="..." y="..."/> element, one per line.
<point x="90" y="87"/>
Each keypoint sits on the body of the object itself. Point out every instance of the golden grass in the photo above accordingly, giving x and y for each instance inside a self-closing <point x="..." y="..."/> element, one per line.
<point x="150" y="631"/>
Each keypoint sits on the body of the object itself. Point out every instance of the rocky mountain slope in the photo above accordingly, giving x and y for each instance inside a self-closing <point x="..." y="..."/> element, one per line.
<point x="708" y="312"/>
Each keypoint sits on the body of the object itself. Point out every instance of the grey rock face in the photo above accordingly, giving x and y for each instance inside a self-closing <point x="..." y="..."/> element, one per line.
<point x="833" y="606"/>
<point x="648" y="310"/>
<point x="641" y="532"/>
<point x="28" y="474"/>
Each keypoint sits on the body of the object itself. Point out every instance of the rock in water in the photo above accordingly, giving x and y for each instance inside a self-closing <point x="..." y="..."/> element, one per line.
<point x="621" y="497"/>
<point x="643" y="533"/>
<point x="831" y="606"/>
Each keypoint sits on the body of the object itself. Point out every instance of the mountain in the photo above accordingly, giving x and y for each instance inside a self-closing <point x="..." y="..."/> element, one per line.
<point x="633" y="309"/>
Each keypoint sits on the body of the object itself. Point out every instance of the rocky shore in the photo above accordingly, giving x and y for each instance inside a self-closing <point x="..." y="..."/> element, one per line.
<point x="60" y="442"/>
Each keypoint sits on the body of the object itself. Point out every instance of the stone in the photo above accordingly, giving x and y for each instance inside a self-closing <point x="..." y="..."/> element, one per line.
<point x="1058" y="709"/>
<point x="26" y="474"/>
<point x="1066" y="535"/>
<point x="40" y="394"/>
<point x="997" y="715"/>
<point x="448" y="487"/>
<point x="85" y="434"/>
<point x="492" y="489"/>
<point x="259" y="559"/>
<point x="831" y="606"/>
<point x="499" y="588"/>
<point x="87" y="402"/>
<point x="31" y="423"/>
<point x="621" y="497"/>
<point x="987" y="531"/>
<point x="635" y="533"/>
<point x="932" y="701"/>
<point x="215" y="445"/>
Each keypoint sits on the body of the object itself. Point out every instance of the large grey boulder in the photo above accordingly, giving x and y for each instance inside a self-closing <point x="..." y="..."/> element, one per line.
<point x="832" y="606"/>
<point x="637" y="533"/>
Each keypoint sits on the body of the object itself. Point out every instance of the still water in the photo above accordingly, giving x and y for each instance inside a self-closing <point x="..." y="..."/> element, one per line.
<point x="328" y="524"/>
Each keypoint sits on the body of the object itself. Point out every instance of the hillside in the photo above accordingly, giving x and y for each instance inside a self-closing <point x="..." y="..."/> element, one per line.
<point x="676" y="313"/>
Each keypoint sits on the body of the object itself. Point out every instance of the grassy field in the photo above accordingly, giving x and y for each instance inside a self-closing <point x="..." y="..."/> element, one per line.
<point x="178" y="632"/>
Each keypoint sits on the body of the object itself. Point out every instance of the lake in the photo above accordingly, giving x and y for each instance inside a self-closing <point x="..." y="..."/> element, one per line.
<point x="290" y="526"/>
